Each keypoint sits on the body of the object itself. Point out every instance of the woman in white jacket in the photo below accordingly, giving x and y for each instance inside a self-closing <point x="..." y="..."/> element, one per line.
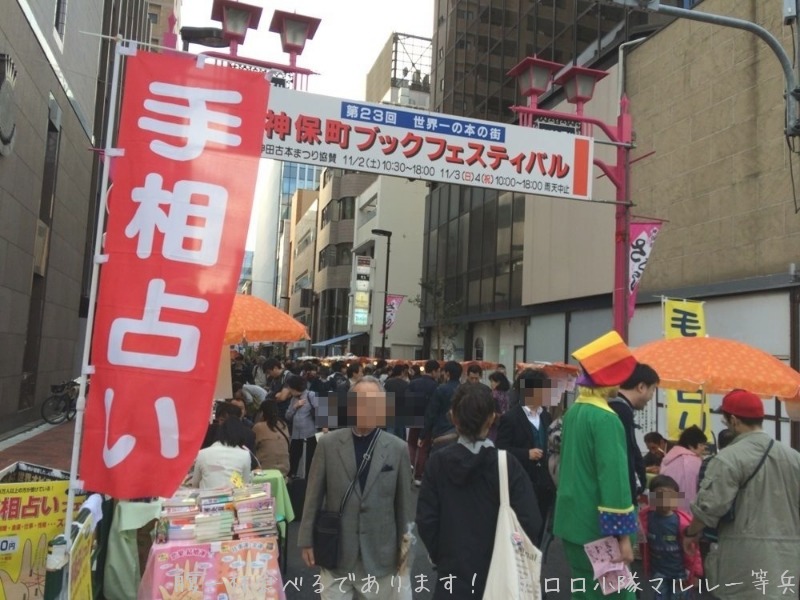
<point x="226" y="462"/>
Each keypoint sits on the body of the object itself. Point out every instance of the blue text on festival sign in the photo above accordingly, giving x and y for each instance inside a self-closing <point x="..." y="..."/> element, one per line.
<point x="432" y="123"/>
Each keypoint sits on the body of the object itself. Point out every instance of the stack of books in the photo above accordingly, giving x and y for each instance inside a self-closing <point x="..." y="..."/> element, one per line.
<point x="216" y="516"/>
<point x="177" y="517"/>
<point x="255" y="512"/>
<point x="214" y="527"/>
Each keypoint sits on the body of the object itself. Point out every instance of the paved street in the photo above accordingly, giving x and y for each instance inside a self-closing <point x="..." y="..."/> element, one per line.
<point x="555" y="567"/>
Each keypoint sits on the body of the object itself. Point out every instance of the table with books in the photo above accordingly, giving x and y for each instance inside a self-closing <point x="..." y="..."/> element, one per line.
<point x="283" y="504"/>
<point x="215" y="544"/>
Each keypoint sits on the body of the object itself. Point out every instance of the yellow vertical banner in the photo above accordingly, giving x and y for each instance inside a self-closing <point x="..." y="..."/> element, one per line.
<point x="80" y="563"/>
<point x="685" y="318"/>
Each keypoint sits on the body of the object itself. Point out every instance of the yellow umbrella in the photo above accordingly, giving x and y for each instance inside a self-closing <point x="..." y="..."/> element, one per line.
<point x="255" y="320"/>
<point x="717" y="366"/>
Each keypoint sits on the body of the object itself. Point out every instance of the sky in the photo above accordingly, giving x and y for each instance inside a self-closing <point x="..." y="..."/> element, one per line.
<point x="347" y="43"/>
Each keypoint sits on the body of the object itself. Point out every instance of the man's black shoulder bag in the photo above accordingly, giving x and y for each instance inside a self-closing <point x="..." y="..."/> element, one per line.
<point x="327" y="530"/>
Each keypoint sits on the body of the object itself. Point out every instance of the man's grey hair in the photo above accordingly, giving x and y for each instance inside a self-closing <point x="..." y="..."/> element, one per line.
<point x="368" y="379"/>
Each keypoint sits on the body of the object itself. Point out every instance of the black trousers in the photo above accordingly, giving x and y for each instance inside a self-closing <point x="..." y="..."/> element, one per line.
<point x="296" y="453"/>
<point x="546" y="499"/>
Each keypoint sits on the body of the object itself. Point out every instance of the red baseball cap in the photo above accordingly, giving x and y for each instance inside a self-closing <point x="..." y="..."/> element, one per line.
<point x="743" y="404"/>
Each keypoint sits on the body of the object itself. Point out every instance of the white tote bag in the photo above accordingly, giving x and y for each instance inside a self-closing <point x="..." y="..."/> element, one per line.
<point x="516" y="562"/>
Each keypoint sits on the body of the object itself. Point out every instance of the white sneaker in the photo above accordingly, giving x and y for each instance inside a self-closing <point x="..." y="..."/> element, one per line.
<point x="417" y="482"/>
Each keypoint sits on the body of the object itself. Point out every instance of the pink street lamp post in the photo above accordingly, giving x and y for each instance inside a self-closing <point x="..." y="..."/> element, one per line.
<point x="534" y="77"/>
<point x="237" y="17"/>
<point x="294" y="30"/>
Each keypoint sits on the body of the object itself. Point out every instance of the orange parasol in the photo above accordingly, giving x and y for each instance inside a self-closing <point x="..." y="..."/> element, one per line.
<point x="717" y="366"/>
<point x="556" y="369"/>
<point x="255" y="320"/>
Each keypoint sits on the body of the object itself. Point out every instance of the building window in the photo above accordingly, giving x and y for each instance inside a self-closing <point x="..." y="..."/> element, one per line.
<point x="153" y="18"/>
<point x="344" y="254"/>
<point x="369" y="209"/>
<point x="304" y="242"/>
<point x="479" y="349"/>
<point x="302" y="282"/>
<point x="61" y="17"/>
<point x="330" y="213"/>
<point x="325" y="258"/>
<point x="441" y="84"/>
<point x="347" y="208"/>
<point x="336" y="255"/>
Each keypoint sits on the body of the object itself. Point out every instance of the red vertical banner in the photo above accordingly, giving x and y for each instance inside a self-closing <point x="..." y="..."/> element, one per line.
<point x="178" y="217"/>
<point x="393" y="302"/>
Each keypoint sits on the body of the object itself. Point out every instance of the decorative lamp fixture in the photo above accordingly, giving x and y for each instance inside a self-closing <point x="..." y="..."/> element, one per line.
<point x="236" y="18"/>
<point x="578" y="83"/>
<point x="534" y="76"/>
<point x="295" y="31"/>
<point x="205" y="36"/>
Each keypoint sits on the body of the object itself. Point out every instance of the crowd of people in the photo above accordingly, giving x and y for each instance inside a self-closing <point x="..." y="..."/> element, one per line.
<point x="698" y="519"/>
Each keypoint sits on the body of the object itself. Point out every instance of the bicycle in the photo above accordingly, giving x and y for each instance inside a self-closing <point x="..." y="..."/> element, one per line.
<point x="61" y="405"/>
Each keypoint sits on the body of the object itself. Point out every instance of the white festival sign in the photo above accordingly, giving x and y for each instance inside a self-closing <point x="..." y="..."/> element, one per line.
<point x="400" y="141"/>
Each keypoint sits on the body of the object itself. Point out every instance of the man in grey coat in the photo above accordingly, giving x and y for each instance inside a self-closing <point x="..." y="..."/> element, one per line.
<point x="378" y="511"/>
<point x="758" y="554"/>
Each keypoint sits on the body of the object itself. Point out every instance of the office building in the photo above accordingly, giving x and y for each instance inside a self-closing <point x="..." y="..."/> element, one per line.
<point x="400" y="76"/>
<point x="713" y="162"/>
<point x="158" y="16"/>
<point x="278" y="182"/>
<point x="53" y="103"/>
<point x="337" y="201"/>
<point x="303" y="256"/>
<point x="477" y="240"/>
<point x="394" y="205"/>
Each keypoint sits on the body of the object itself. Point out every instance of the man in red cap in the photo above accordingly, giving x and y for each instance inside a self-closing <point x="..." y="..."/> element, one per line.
<point x="751" y="494"/>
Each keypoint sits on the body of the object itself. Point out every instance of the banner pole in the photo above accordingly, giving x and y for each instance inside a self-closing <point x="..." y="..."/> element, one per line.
<point x="98" y="258"/>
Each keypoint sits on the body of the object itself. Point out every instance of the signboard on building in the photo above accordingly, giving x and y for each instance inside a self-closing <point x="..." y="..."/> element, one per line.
<point x="363" y="266"/>
<point x="361" y="293"/>
<point x="562" y="125"/>
<point x="376" y="138"/>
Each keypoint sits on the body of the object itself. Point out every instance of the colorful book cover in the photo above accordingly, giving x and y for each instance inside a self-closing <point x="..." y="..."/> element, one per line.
<point x="249" y="569"/>
<point x="185" y="572"/>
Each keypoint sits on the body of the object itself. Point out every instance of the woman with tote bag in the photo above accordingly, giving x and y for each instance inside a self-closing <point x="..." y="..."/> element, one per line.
<point x="459" y="509"/>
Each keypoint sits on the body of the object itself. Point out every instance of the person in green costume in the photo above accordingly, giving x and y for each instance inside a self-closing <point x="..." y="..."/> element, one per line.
<point x="594" y="495"/>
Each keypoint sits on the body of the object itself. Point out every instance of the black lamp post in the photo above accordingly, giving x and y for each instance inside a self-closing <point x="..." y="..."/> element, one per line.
<point x="388" y="235"/>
